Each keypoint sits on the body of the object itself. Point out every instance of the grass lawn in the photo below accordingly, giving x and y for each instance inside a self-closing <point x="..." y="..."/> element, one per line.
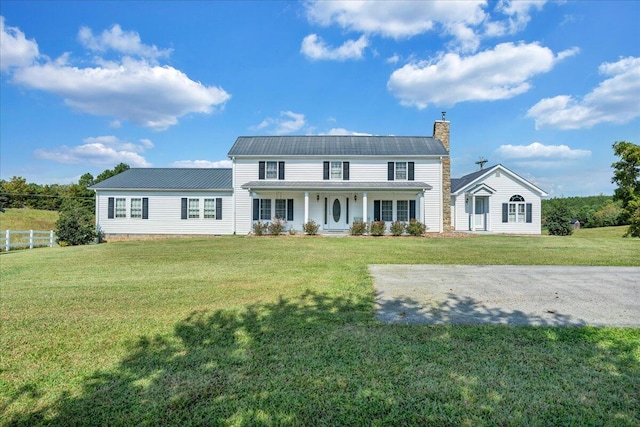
<point x="281" y="331"/>
<point x="28" y="219"/>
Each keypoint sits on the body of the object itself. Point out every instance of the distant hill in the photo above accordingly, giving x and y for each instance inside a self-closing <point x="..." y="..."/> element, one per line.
<point x="591" y="211"/>
<point x="28" y="219"/>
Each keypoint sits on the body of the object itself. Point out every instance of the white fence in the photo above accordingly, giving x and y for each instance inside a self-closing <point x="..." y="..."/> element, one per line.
<point x="28" y="239"/>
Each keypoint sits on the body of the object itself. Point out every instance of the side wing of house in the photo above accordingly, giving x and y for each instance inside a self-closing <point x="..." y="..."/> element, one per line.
<point x="335" y="190"/>
<point x="498" y="201"/>
<point x="166" y="202"/>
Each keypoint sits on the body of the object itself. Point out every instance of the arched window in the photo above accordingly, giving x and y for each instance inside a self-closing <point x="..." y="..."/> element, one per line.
<point x="517" y="210"/>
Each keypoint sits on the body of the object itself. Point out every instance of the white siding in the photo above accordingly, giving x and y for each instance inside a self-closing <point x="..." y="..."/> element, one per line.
<point x="164" y="214"/>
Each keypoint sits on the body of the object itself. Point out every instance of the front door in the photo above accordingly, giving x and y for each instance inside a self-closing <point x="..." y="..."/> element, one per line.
<point x="336" y="210"/>
<point x="480" y="213"/>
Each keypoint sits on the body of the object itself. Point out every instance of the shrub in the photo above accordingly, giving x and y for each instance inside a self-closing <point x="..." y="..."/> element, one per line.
<point x="358" y="228"/>
<point x="378" y="228"/>
<point x="276" y="227"/>
<point x="75" y="227"/>
<point x="416" y="228"/>
<point x="559" y="222"/>
<point x="292" y="231"/>
<point x="397" y="228"/>
<point x="259" y="228"/>
<point x="311" y="228"/>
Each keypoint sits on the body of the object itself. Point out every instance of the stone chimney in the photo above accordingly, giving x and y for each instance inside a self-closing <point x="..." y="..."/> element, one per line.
<point x="441" y="132"/>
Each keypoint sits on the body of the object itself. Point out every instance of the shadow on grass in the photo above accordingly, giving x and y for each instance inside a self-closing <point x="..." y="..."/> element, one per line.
<point x="464" y="310"/>
<point x="322" y="360"/>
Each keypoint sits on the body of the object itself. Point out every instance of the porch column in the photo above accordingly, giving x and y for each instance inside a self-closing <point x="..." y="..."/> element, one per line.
<point x="364" y="207"/>
<point x="421" y="213"/>
<point x="306" y="207"/>
<point x="473" y="212"/>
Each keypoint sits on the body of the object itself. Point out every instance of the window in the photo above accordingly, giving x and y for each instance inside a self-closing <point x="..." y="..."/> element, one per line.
<point x="281" y="208"/>
<point x="402" y="213"/>
<point x="194" y="208"/>
<point x="272" y="170"/>
<point x="136" y="208"/>
<point x="336" y="170"/>
<point x="517" y="210"/>
<point x="387" y="210"/>
<point x="401" y="171"/>
<point x="209" y="208"/>
<point x="121" y="208"/>
<point x="265" y="209"/>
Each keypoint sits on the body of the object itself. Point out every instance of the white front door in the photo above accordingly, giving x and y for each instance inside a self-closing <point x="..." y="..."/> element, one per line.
<point x="480" y="213"/>
<point x="337" y="213"/>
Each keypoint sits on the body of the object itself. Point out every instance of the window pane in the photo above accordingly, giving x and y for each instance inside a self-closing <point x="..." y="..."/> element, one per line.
<point x="265" y="209"/>
<point x="281" y="208"/>
<point x="336" y="170"/>
<point x="403" y="210"/>
<point x="387" y="210"/>
<point x="194" y="208"/>
<point x="512" y="212"/>
<point x="520" y="212"/>
<point x="121" y="208"/>
<point x="272" y="170"/>
<point x="136" y="208"/>
<point x="210" y="208"/>
<point x="401" y="170"/>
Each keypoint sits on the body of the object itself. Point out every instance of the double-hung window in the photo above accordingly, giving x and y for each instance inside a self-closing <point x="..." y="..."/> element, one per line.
<point x="194" y="208"/>
<point x="387" y="210"/>
<point x="336" y="170"/>
<point x="265" y="209"/>
<point x="209" y="208"/>
<point x="402" y="210"/>
<point x="121" y="208"/>
<point x="272" y="170"/>
<point x="401" y="171"/>
<point x="281" y="209"/>
<point x="136" y="208"/>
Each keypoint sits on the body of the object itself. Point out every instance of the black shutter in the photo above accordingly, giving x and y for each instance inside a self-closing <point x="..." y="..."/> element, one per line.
<point x="184" y="208"/>
<point x="390" y="171"/>
<point x="376" y="210"/>
<point x="412" y="209"/>
<point x="505" y="212"/>
<point x="326" y="204"/>
<point x="218" y="207"/>
<point x="289" y="209"/>
<point x="110" y="208"/>
<point x="347" y="206"/>
<point x="411" y="173"/>
<point x="145" y="208"/>
<point x="345" y="171"/>
<point x="528" y="212"/>
<point x="256" y="209"/>
<point x="280" y="170"/>
<point x="326" y="171"/>
<point x="260" y="170"/>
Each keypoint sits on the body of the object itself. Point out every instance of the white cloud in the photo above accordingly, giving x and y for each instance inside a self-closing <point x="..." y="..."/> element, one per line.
<point x="536" y="150"/>
<point x="343" y="131"/>
<point x="499" y="73"/>
<point x="313" y="47"/>
<point x="126" y="89"/>
<point x="288" y="122"/>
<point x="393" y="59"/>
<point x="125" y="42"/>
<point x="615" y="100"/>
<point x="100" y="150"/>
<point x="518" y="16"/>
<point x="201" y="164"/>
<point x="15" y="49"/>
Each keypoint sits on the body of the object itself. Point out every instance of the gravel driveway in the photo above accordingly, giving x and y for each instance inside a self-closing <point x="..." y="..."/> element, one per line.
<point x="514" y="295"/>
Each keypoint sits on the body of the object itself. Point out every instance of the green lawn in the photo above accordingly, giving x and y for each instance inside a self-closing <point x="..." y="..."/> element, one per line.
<point x="28" y="219"/>
<point x="281" y="331"/>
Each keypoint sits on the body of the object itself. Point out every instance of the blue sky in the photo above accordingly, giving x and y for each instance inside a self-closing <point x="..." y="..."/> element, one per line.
<point x="544" y="88"/>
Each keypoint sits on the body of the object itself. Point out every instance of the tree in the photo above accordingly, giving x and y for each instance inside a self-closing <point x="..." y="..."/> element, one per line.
<point x="558" y="221"/>
<point x="111" y="172"/>
<point x="75" y="226"/>
<point x="627" y="175"/>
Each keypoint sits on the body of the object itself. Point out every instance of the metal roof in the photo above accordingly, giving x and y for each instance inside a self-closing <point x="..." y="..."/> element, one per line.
<point x="458" y="183"/>
<point x="337" y="185"/>
<point x="169" y="179"/>
<point x="337" y="145"/>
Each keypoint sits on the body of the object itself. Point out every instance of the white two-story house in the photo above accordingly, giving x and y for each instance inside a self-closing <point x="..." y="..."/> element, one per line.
<point x="332" y="180"/>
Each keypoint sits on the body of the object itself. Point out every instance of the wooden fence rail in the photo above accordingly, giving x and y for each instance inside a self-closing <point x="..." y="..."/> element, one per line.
<point x="27" y="238"/>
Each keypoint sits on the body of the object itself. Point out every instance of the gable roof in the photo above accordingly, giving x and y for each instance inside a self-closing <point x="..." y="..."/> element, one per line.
<point x="337" y="145"/>
<point x="168" y="179"/>
<point x="459" y="184"/>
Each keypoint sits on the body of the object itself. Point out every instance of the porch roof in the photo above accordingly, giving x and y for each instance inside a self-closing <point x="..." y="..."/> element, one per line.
<point x="336" y="185"/>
